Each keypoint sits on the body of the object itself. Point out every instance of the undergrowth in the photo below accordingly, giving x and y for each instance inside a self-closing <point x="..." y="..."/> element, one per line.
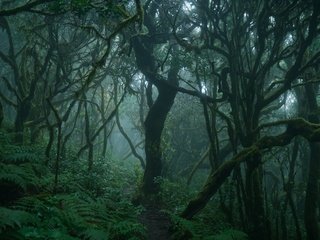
<point x="175" y="196"/>
<point x="91" y="205"/>
<point x="87" y="206"/>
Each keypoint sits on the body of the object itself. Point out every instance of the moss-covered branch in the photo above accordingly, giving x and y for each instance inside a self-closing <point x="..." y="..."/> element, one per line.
<point x="295" y="127"/>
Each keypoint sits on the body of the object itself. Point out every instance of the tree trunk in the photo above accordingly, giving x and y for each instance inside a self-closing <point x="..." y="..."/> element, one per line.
<point x="59" y="138"/>
<point x="258" y="223"/>
<point x="50" y="143"/>
<point x="23" y="111"/>
<point x="154" y="125"/>
<point x="1" y="114"/>
<point x="312" y="193"/>
<point x="159" y="110"/>
<point x="88" y="136"/>
<point x="214" y="182"/>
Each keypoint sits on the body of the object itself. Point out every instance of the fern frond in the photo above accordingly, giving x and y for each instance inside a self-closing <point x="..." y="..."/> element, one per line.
<point x="23" y="176"/>
<point x="13" y="180"/>
<point x="95" y="234"/>
<point x="229" y="234"/>
<point x="13" y="154"/>
<point x="10" y="219"/>
<point x="32" y="233"/>
<point x="11" y="235"/>
<point x="20" y="157"/>
<point x="125" y="228"/>
<point x="4" y="138"/>
<point x="31" y="204"/>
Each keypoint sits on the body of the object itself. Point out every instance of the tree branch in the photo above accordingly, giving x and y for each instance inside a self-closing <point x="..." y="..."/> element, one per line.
<point x="23" y="8"/>
<point x="295" y="127"/>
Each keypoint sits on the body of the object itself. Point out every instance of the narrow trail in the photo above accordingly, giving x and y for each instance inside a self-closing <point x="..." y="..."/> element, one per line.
<point x="156" y="222"/>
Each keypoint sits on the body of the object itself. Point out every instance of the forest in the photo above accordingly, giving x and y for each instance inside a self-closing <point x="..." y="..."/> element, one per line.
<point x="158" y="119"/>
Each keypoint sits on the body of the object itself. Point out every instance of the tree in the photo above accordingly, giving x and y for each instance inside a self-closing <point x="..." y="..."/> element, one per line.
<point x="144" y="48"/>
<point x="250" y="42"/>
<point x="225" y="88"/>
<point x="27" y="71"/>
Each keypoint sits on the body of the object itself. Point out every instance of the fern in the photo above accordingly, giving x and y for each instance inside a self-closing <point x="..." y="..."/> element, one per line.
<point x="181" y="228"/>
<point x="126" y="228"/>
<point x="11" y="219"/>
<point x="36" y="233"/>
<point x="33" y="213"/>
<point x="95" y="234"/>
<point x="20" y="154"/>
<point x="229" y="234"/>
<point x="20" y="170"/>
<point x="82" y="217"/>
<point x="13" y="179"/>
<point x="4" y="138"/>
<point x="22" y="177"/>
<point x="33" y="205"/>
<point x="20" y="157"/>
<point x="186" y="229"/>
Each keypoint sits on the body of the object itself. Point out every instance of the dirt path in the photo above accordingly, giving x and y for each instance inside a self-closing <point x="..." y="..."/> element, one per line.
<point x="156" y="222"/>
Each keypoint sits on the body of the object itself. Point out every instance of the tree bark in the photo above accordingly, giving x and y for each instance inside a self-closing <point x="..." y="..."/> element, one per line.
<point x="159" y="110"/>
<point x="89" y="143"/>
<point x="214" y="181"/>
<point x="312" y="192"/>
<point x="258" y="223"/>
<point x="23" y="111"/>
<point x="154" y="125"/>
<point x="1" y="114"/>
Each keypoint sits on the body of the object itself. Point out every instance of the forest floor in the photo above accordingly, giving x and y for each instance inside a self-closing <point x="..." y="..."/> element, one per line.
<point x="157" y="223"/>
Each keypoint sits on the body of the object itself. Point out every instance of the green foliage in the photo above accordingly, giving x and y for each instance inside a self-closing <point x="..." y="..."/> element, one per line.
<point x="175" y="195"/>
<point x="14" y="154"/>
<point x="88" y="206"/>
<point x="24" y="176"/>
<point x="182" y="228"/>
<point x="229" y="234"/>
<point x="95" y="234"/>
<point x="107" y="178"/>
<point x="10" y="219"/>
<point x="126" y="228"/>
<point x="21" y="170"/>
<point x="186" y="229"/>
<point x="20" y="156"/>
<point x="8" y="175"/>
<point x="70" y="216"/>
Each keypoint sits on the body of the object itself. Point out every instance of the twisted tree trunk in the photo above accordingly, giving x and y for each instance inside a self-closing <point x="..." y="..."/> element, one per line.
<point x="158" y="112"/>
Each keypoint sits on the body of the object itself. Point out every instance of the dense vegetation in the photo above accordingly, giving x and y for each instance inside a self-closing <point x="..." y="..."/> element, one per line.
<point x="156" y="119"/>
